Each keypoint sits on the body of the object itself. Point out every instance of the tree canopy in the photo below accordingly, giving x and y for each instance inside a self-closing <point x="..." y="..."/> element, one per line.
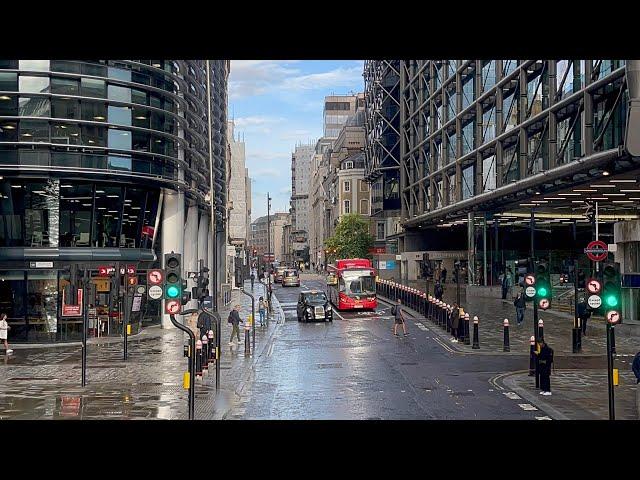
<point x="352" y="238"/>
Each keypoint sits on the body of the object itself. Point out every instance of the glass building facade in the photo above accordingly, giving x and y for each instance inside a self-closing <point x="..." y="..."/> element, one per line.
<point x="88" y="152"/>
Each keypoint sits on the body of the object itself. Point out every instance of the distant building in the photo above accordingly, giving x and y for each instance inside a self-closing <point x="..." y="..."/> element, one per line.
<point x="301" y="174"/>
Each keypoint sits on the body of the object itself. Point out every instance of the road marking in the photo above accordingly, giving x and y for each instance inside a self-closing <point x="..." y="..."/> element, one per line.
<point x="546" y="417"/>
<point x="335" y="311"/>
<point x="512" y="395"/>
<point x="288" y="304"/>
<point x="270" y="349"/>
<point x="527" y="406"/>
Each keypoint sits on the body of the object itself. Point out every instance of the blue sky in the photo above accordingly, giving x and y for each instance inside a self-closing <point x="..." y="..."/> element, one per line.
<point x="277" y="104"/>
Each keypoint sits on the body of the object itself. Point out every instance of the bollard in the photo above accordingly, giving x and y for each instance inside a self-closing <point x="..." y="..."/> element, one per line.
<point x="199" y="358"/>
<point x="205" y="352"/>
<point x="506" y="347"/>
<point x="540" y="330"/>
<point x="211" y="346"/>
<point x="447" y="317"/>
<point x="467" y="340"/>
<point x="443" y="320"/>
<point x="476" y="335"/>
<point x="247" y="340"/>
<point x="532" y="356"/>
<point x="424" y="305"/>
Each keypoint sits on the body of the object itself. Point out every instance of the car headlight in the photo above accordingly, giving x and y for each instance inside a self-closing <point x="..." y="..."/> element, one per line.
<point x="328" y="308"/>
<point x="309" y="310"/>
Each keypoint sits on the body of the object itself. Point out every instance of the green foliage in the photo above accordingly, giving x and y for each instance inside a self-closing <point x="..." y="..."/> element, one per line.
<point x="352" y="238"/>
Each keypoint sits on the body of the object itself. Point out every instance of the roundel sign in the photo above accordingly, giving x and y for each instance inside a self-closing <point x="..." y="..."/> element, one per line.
<point x="155" y="292"/>
<point x="597" y="250"/>
<point x="594" y="301"/>
<point x="530" y="292"/>
<point x="172" y="307"/>
<point x="544" y="304"/>
<point x="594" y="286"/>
<point x="155" y="277"/>
<point x="613" y="316"/>
<point x="530" y="280"/>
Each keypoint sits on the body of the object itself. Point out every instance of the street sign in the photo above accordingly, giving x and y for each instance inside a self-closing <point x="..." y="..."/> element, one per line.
<point x="530" y="280"/>
<point x="155" y="277"/>
<point x="597" y="250"/>
<point x="131" y="269"/>
<point x="594" y="301"/>
<point x="544" y="304"/>
<point x="398" y="257"/>
<point x="613" y="317"/>
<point x="172" y="307"/>
<point x="155" y="292"/>
<point x="137" y="302"/>
<point x="141" y="289"/>
<point x="132" y="281"/>
<point x="594" y="286"/>
<point x="530" y="292"/>
<point x="73" y="310"/>
<point x="103" y="271"/>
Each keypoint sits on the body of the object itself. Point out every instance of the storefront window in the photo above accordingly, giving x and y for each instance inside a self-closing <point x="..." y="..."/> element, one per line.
<point x="12" y="302"/>
<point x="108" y="212"/>
<point x="76" y="206"/>
<point x="42" y="214"/>
<point x="42" y="305"/>
<point x="132" y="217"/>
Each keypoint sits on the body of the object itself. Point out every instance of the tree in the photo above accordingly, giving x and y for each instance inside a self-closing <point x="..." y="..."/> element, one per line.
<point x="352" y="238"/>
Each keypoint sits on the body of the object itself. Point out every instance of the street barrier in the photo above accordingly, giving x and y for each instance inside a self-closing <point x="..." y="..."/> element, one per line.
<point x="532" y="356"/>
<point x="506" y="347"/>
<point x="540" y="330"/>
<point x="476" y="335"/>
<point x="205" y="350"/>
<point x="467" y="340"/>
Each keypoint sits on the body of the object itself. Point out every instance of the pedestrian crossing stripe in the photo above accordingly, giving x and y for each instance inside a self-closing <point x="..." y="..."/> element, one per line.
<point x="512" y="395"/>
<point x="527" y="406"/>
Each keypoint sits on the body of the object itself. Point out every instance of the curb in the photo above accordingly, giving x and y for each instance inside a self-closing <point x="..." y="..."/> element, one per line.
<point x="509" y="383"/>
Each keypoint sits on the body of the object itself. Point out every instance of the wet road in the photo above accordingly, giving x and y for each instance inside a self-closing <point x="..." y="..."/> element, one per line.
<point x="354" y="368"/>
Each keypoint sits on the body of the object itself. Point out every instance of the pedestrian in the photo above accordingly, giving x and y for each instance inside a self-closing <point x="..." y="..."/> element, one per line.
<point x="397" y="312"/>
<point x="545" y="363"/>
<point x="506" y="283"/>
<point x="234" y="320"/>
<point x="203" y="323"/>
<point x="635" y="366"/>
<point x="455" y="322"/>
<point x="262" y="308"/>
<point x="253" y="277"/>
<point x="520" y="304"/>
<point x="4" y="333"/>
<point x="444" y="274"/>
<point x="584" y="312"/>
<point x="438" y="291"/>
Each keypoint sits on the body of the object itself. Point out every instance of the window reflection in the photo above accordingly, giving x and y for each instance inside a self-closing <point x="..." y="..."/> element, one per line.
<point x="9" y="105"/>
<point x="120" y="94"/>
<point x="65" y="108"/>
<point x="76" y="206"/>
<point x="8" y="82"/>
<point x="30" y="84"/>
<point x="94" y="135"/>
<point x="120" y="139"/>
<point x="42" y="213"/>
<point x="34" y="107"/>
<point x="65" y="86"/>
<point x="107" y="215"/>
<point x="90" y="87"/>
<point x="119" y="115"/>
<point x="94" y="111"/>
<point x="42" y="65"/>
<point x="34" y="131"/>
<point x="8" y="131"/>
<point x="67" y="133"/>
<point x="42" y="302"/>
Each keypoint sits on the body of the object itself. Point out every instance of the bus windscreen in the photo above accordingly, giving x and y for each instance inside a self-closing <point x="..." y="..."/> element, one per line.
<point x="359" y="282"/>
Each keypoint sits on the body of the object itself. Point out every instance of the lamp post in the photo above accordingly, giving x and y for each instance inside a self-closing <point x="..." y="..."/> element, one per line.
<point x="270" y="264"/>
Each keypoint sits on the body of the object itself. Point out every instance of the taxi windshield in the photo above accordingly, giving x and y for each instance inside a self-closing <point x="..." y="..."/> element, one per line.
<point x="290" y="273"/>
<point x="315" y="297"/>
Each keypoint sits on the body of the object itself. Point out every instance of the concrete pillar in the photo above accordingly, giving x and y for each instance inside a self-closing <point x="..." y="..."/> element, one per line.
<point x="203" y="231"/>
<point x="190" y="258"/>
<point x="172" y="233"/>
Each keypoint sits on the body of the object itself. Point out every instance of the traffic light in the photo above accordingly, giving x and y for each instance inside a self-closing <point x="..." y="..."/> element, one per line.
<point x="611" y="288"/>
<point x="173" y="276"/>
<point x="186" y="295"/>
<point x="543" y="283"/>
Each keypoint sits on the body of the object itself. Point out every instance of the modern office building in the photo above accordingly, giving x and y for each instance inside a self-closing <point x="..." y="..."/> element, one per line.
<point x="492" y="151"/>
<point x="105" y="163"/>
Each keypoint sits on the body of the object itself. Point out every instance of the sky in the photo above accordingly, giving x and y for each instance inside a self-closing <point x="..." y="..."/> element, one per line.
<point x="277" y="105"/>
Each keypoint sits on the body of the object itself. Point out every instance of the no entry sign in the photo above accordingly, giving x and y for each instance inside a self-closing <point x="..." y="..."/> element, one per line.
<point x="597" y="250"/>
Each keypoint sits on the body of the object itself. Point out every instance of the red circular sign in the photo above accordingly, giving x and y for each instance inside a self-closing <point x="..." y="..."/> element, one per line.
<point x="613" y="317"/>
<point x="544" y="304"/>
<point x="155" y="277"/>
<point x="597" y="250"/>
<point x="594" y="286"/>
<point x="172" y="307"/>
<point x="530" y="280"/>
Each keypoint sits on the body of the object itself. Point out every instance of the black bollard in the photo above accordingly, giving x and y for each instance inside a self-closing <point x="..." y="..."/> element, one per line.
<point x="532" y="356"/>
<point x="476" y="334"/>
<point x="467" y="340"/>
<point x="199" y="358"/>
<point x="205" y="351"/>
<point x="211" y="346"/>
<point x="540" y="330"/>
<point x="506" y="347"/>
<point x="247" y="342"/>
<point x="448" y="317"/>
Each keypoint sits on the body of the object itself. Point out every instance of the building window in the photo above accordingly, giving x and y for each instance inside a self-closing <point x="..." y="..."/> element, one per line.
<point x="347" y="206"/>
<point x="348" y="164"/>
<point x="380" y="231"/>
<point x="347" y="186"/>
<point x="364" y="187"/>
<point x="364" y="207"/>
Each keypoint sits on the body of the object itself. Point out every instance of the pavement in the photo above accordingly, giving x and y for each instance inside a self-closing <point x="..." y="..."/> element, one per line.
<point x="44" y="383"/>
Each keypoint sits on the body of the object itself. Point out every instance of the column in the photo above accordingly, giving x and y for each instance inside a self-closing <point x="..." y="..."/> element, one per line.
<point x="471" y="249"/>
<point x="172" y="232"/>
<point x="190" y="257"/>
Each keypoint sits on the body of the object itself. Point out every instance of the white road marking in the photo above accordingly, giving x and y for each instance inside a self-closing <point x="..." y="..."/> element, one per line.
<point x="527" y="406"/>
<point x="546" y="417"/>
<point x="335" y="311"/>
<point x="270" y="350"/>
<point x="512" y="395"/>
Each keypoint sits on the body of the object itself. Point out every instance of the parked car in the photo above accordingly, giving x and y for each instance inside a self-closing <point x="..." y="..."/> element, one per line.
<point x="314" y="305"/>
<point x="290" y="278"/>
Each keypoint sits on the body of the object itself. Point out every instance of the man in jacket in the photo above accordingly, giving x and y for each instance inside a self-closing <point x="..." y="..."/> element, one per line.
<point x="520" y="305"/>
<point x="455" y="322"/>
<point x="583" y="315"/>
<point x="635" y="366"/>
<point x="438" y="291"/>
<point x="234" y="320"/>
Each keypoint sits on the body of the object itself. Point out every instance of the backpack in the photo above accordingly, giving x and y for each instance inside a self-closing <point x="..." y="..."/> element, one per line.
<point x="394" y="310"/>
<point x="230" y="319"/>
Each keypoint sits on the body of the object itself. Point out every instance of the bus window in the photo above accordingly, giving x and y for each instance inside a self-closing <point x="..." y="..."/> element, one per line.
<point x="341" y="285"/>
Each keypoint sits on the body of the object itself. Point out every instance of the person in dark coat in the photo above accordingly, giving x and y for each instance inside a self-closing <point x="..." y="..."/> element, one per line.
<point x="635" y="366"/>
<point x="583" y="314"/>
<point x="545" y="363"/>
<point x="455" y="322"/>
<point x="520" y="305"/>
<point x="438" y="291"/>
<point x="443" y="274"/>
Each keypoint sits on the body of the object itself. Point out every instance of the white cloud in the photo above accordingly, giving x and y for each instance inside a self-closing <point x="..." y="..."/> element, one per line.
<point x="334" y="78"/>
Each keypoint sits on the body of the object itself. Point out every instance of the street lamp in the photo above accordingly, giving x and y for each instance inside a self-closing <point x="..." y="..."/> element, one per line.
<point x="269" y="250"/>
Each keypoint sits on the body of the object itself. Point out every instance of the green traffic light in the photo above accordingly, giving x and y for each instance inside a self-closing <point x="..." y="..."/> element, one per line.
<point x="173" y="291"/>
<point x="542" y="292"/>
<point x="611" y="301"/>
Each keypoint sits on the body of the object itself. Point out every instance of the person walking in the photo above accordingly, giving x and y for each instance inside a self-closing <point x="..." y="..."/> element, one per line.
<point x="455" y="322"/>
<point x="438" y="291"/>
<point x="4" y="333"/>
<point x="234" y="320"/>
<point x="545" y="363"/>
<point x="583" y="314"/>
<point x="520" y="304"/>
<point x="262" y="308"/>
<point x="635" y="366"/>
<point x="253" y="277"/>
<point x="443" y="274"/>
<point x="397" y="312"/>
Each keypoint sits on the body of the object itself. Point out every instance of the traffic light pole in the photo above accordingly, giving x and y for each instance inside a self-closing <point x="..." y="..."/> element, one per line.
<point x="533" y="259"/>
<point x="612" y="408"/>
<point x="191" y="399"/>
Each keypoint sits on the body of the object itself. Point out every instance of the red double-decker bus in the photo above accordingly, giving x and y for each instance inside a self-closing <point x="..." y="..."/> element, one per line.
<point x="353" y="284"/>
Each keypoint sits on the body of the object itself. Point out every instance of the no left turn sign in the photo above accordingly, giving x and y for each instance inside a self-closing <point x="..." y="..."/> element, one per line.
<point x="530" y="280"/>
<point x="594" y="286"/>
